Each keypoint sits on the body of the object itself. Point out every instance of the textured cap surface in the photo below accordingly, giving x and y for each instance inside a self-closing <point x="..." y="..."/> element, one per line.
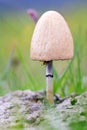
<point x="52" y="39"/>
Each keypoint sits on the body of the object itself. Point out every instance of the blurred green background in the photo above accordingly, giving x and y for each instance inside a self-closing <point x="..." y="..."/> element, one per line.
<point x="17" y="70"/>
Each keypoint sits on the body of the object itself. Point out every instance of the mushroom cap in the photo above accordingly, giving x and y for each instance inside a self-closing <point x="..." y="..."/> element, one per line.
<point x="52" y="39"/>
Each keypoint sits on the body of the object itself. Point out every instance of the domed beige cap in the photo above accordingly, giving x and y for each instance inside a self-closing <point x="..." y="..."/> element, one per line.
<point x="52" y="39"/>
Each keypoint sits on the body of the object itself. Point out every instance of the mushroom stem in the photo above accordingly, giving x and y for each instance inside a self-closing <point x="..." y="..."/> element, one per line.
<point x="49" y="82"/>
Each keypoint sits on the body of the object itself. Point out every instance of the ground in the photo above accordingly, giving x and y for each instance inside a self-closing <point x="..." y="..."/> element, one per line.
<point x="30" y="110"/>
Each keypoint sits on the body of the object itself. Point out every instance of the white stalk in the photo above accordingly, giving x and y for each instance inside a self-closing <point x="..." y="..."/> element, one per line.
<point x="49" y="82"/>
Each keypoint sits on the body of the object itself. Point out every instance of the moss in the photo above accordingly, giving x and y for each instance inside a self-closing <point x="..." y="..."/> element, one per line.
<point x="73" y="101"/>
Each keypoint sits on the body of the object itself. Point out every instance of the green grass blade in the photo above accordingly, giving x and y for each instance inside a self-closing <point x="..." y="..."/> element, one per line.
<point x="62" y="77"/>
<point x="26" y="69"/>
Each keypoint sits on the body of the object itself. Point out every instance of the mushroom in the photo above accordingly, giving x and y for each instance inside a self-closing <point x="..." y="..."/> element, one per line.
<point x="51" y="40"/>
